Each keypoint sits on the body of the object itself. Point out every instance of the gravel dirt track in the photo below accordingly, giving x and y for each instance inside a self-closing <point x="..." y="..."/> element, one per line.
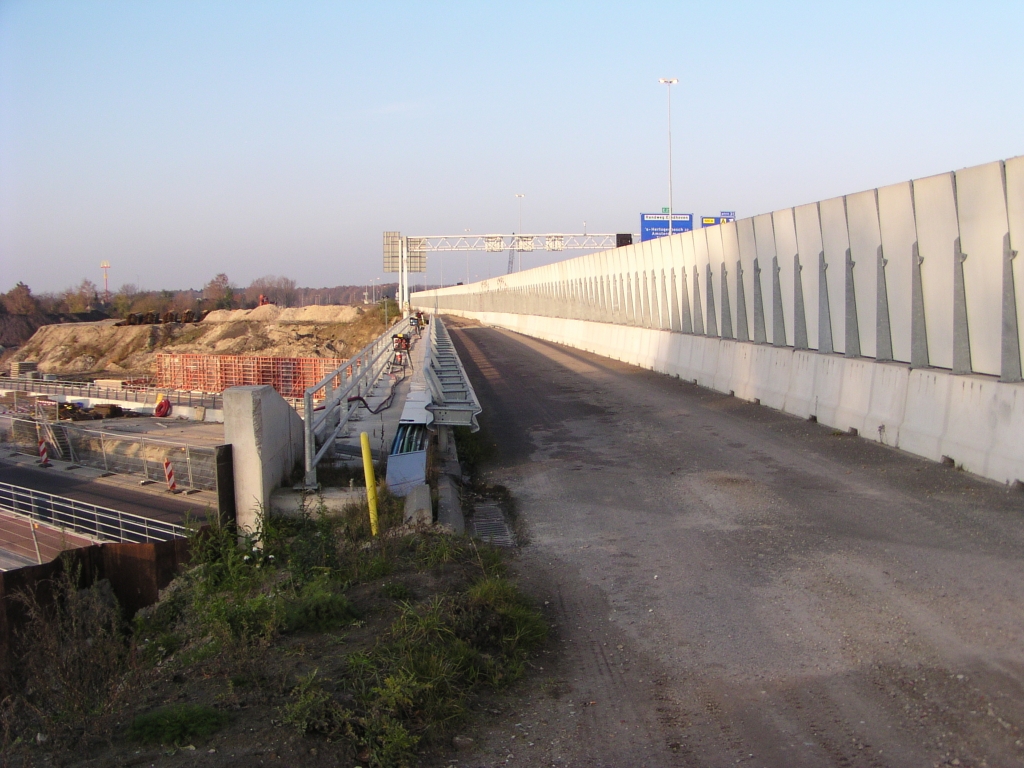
<point x="732" y="586"/>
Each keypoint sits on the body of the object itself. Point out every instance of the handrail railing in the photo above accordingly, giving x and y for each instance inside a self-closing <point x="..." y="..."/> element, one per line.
<point x="90" y="520"/>
<point x="133" y="394"/>
<point x="352" y="379"/>
<point x="122" y="453"/>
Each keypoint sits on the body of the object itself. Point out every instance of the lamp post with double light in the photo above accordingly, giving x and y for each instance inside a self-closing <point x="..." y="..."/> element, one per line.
<point x="669" y="81"/>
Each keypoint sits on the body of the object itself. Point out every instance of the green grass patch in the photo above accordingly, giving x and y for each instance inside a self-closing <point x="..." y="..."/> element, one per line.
<point x="177" y="724"/>
<point x="321" y="606"/>
<point x="395" y="590"/>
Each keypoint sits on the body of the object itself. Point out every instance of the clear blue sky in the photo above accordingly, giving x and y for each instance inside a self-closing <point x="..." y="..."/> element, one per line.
<point x="182" y="139"/>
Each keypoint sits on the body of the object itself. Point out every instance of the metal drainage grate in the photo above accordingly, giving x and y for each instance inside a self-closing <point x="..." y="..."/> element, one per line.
<point x="489" y="525"/>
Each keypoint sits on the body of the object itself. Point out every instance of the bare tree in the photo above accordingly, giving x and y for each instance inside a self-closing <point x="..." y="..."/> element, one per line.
<point x="279" y="290"/>
<point x="20" y="301"/>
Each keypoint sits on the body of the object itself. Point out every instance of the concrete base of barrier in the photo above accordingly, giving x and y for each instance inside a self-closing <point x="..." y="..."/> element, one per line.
<point x="976" y="421"/>
<point x="266" y="438"/>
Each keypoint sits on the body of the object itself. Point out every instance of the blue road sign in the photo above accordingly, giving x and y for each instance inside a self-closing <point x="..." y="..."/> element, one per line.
<point x="711" y="221"/>
<point x="653" y="225"/>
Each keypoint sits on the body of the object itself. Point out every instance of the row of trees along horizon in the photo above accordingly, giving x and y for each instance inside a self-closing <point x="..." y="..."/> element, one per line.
<point x="219" y="293"/>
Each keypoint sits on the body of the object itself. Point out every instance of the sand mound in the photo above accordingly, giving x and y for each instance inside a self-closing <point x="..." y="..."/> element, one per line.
<point x="271" y="313"/>
<point x="268" y="313"/>
<point x="315" y="331"/>
<point x="324" y="313"/>
<point x="226" y="315"/>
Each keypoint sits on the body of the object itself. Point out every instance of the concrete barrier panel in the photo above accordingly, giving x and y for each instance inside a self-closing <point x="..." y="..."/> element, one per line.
<point x="855" y="399"/>
<point x="865" y="250"/>
<point x="924" y="422"/>
<point x="972" y="424"/>
<point x="787" y="250"/>
<point x="731" y="258"/>
<point x="937" y="230"/>
<point x="887" y="403"/>
<point x="808" y="239"/>
<point x="828" y="390"/>
<point x="709" y="355"/>
<point x="1006" y="456"/>
<point x="764" y="238"/>
<point x="742" y="384"/>
<point x="745" y="279"/>
<point x="780" y="373"/>
<point x="802" y="384"/>
<point x="835" y="241"/>
<point x="1015" y="216"/>
<point x="716" y="260"/>
<point x="760" y="377"/>
<point x="899" y="233"/>
<point x="724" y="374"/>
<point x="981" y="209"/>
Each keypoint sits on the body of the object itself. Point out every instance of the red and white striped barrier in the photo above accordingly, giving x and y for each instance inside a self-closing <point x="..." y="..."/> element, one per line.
<point x="44" y="458"/>
<point x="169" y="474"/>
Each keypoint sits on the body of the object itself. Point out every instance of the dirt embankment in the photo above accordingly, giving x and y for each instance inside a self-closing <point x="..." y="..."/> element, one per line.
<point x="17" y="329"/>
<point x="319" y="331"/>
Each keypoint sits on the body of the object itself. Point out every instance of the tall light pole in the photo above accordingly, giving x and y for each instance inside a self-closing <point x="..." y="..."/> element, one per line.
<point x="467" y="263"/>
<point x="105" y="266"/>
<point x="520" y="196"/>
<point x="669" y="81"/>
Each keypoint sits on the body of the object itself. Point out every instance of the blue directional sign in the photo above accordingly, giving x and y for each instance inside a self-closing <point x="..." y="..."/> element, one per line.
<point x="711" y="221"/>
<point x="653" y="225"/>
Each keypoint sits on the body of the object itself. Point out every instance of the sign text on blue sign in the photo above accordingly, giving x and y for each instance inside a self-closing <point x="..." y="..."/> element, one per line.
<point x="653" y="225"/>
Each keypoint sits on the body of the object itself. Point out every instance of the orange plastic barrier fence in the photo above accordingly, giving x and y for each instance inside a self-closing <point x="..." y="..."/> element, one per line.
<point x="290" y="376"/>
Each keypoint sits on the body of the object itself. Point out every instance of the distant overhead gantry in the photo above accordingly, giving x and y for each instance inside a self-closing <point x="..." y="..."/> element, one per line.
<point x="409" y="254"/>
<point x="523" y="243"/>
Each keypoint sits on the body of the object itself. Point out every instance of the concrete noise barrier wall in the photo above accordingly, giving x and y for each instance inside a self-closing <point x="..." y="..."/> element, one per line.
<point x="893" y="311"/>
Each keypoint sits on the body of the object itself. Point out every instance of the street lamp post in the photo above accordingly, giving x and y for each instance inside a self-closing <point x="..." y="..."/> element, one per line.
<point x="669" y="81"/>
<point x="520" y="196"/>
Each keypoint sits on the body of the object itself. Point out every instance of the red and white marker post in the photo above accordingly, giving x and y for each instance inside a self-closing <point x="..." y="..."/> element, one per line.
<point x="44" y="458"/>
<point x="169" y="475"/>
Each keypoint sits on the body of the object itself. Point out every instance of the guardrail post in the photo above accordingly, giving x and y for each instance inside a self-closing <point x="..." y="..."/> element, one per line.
<point x="145" y="463"/>
<point x="308" y="416"/>
<point x="103" y="450"/>
<point x="188" y="464"/>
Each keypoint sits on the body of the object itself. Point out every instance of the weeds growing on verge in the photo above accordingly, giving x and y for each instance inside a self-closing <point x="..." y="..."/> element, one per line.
<point x="233" y="628"/>
<point x="177" y="724"/>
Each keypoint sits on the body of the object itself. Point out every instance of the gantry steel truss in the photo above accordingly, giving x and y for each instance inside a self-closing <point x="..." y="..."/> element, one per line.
<point x="409" y="254"/>
<point x="523" y="243"/>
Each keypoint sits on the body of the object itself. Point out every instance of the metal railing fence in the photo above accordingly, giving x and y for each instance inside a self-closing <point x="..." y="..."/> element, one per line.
<point x="353" y="378"/>
<point x="195" y="467"/>
<point x="87" y="519"/>
<point x="141" y="395"/>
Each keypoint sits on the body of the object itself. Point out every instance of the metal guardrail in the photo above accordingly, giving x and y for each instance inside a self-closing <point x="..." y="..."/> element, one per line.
<point x="141" y="395"/>
<point x="454" y="401"/>
<point x="354" y="378"/>
<point x="87" y="519"/>
<point x="195" y="467"/>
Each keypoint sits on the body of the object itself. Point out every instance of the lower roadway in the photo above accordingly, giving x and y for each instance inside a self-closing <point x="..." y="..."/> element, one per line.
<point x="111" y="492"/>
<point x="730" y="585"/>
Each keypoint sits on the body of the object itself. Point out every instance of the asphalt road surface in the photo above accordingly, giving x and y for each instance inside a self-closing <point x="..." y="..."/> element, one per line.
<point x="733" y="586"/>
<point x="114" y="493"/>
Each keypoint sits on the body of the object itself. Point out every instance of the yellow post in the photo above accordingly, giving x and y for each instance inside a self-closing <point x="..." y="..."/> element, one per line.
<point x="371" y="482"/>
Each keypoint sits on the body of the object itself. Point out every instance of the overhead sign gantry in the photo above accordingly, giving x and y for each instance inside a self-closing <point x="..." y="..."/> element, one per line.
<point x="409" y="254"/>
